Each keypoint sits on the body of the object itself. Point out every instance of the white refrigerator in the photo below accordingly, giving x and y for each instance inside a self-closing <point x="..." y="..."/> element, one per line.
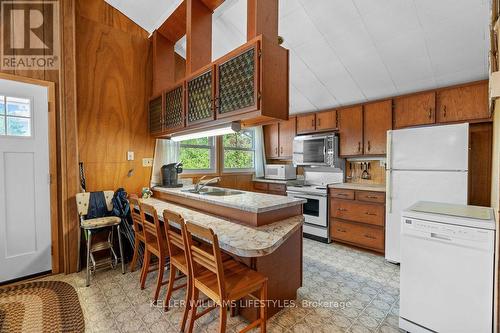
<point x="423" y="164"/>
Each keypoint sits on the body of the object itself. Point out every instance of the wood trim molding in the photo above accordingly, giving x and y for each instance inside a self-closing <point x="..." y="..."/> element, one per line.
<point x="54" y="220"/>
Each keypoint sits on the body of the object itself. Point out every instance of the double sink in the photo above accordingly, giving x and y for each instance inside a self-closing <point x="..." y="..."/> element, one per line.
<point x="212" y="191"/>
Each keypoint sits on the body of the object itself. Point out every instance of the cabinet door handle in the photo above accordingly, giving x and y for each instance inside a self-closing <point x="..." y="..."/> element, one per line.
<point x="369" y="236"/>
<point x="372" y="197"/>
<point x="370" y="214"/>
<point x="319" y="121"/>
<point x="276" y="150"/>
<point x="369" y="146"/>
<point x="312" y="123"/>
<point x="340" y="230"/>
<point x="444" y="111"/>
<point x="359" y="146"/>
<point x="341" y="209"/>
<point x="281" y="149"/>
<point x="430" y="113"/>
<point x="342" y="194"/>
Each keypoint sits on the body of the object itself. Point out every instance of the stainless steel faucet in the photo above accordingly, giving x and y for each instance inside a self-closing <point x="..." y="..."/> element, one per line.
<point x="199" y="186"/>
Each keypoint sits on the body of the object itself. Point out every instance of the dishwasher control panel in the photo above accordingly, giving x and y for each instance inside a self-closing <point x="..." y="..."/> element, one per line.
<point x="445" y="231"/>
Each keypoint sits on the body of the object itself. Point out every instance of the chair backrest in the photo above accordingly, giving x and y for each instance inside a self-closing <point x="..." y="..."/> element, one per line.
<point x="199" y="258"/>
<point x="83" y="199"/>
<point x="135" y="211"/>
<point x="175" y="241"/>
<point x="152" y="230"/>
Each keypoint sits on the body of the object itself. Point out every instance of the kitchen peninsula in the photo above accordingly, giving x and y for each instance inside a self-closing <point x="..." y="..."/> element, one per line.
<point x="273" y="248"/>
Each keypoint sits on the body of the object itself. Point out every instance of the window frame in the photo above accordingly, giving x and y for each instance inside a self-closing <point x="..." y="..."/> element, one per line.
<point x="31" y="118"/>
<point x="225" y="170"/>
<point x="213" y="158"/>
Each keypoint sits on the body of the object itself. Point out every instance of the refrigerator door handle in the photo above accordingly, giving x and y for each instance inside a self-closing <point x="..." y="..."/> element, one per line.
<point x="388" y="166"/>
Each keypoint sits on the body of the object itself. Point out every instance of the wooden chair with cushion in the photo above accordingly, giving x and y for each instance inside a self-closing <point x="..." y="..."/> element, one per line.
<point x="94" y="225"/>
<point x="155" y="245"/>
<point x="138" y="229"/>
<point x="222" y="282"/>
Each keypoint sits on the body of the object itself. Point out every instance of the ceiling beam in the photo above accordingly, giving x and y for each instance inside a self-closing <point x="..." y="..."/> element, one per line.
<point x="198" y="35"/>
<point x="174" y="27"/>
<point x="262" y="19"/>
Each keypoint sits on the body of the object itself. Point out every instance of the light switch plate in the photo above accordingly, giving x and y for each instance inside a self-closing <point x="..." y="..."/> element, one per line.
<point x="147" y="162"/>
<point x="130" y="156"/>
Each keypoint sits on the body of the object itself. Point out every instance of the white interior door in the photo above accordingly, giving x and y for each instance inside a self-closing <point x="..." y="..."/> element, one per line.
<point x="25" y="238"/>
<point x="408" y="187"/>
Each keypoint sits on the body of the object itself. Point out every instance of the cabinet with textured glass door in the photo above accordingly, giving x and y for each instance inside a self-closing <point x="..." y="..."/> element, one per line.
<point x="173" y="117"/>
<point x="252" y="83"/>
<point x="156" y="115"/>
<point x="200" y="96"/>
<point x="237" y="87"/>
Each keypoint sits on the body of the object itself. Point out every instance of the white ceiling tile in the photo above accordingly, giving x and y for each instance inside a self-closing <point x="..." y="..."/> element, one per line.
<point x="347" y="51"/>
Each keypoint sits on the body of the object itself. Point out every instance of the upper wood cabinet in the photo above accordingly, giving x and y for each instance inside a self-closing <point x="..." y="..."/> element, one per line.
<point x="287" y="133"/>
<point x="174" y="108"/>
<point x="306" y="123"/>
<point x="200" y="97"/>
<point x="278" y="139"/>
<point x="317" y="122"/>
<point x="376" y="122"/>
<point x="156" y="115"/>
<point x="351" y="131"/>
<point x="271" y="140"/>
<point x="237" y="82"/>
<point x="326" y="120"/>
<point x="412" y="110"/>
<point x="463" y="103"/>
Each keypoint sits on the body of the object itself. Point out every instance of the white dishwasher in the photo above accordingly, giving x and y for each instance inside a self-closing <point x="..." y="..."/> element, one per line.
<point x="447" y="268"/>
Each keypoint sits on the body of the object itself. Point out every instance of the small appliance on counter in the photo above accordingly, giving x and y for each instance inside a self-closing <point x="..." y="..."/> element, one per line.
<point x="315" y="191"/>
<point x="280" y="172"/>
<point x="447" y="268"/>
<point x="170" y="175"/>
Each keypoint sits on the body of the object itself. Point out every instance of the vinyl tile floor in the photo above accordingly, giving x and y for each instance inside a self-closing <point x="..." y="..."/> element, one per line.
<point x="344" y="290"/>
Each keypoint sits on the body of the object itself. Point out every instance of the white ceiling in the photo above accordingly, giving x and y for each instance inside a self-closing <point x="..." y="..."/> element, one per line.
<point x="349" y="51"/>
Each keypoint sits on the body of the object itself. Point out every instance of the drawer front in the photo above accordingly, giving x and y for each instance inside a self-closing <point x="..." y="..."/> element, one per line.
<point x="342" y="194"/>
<point x="358" y="234"/>
<point x="277" y="187"/>
<point x="260" y="186"/>
<point x="378" y="197"/>
<point x="358" y="211"/>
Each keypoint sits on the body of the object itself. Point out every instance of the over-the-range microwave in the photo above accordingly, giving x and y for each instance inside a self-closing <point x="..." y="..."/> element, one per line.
<point x="316" y="150"/>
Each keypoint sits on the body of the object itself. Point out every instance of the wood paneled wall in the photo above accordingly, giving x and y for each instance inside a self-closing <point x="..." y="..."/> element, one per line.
<point x="113" y="87"/>
<point x="66" y="136"/>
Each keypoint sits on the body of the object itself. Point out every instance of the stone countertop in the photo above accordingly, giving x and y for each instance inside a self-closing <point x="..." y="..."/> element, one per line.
<point x="235" y="238"/>
<point x="246" y="201"/>
<point x="290" y="182"/>
<point x="359" y="187"/>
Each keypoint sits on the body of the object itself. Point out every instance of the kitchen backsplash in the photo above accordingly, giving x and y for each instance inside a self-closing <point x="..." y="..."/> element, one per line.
<point x="375" y="171"/>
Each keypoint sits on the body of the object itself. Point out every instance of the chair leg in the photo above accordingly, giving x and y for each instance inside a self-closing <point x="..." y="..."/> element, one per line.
<point x="133" y="263"/>
<point x="159" y="280"/>
<point x="222" y="318"/>
<point x="89" y="243"/>
<point x="121" y="248"/>
<point x="171" y="281"/>
<point x="194" y="308"/>
<point x="263" y="309"/>
<point x="145" y="268"/>
<point x="187" y="306"/>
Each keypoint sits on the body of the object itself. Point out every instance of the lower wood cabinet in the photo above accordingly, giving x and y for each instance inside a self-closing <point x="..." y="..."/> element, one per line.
<point x="269" y="188"/>
<point x="358" y="218"/>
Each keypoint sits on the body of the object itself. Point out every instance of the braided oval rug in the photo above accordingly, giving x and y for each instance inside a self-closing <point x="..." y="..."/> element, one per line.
<point x="42" y="306"/>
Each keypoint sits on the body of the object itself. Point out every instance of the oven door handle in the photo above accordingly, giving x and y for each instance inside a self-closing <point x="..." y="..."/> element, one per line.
<point x="301" y="195"/>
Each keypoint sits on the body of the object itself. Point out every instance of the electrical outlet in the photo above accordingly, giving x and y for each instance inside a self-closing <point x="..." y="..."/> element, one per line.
<point x="147" y="162"/>
<point x="130" y="156"/>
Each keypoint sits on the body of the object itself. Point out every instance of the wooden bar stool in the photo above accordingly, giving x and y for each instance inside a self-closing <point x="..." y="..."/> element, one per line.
<point x="222" y="282"/>
<point x="178" y="259"/>
<point x="138" y="229"/>
<point x="155" y="245"/>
